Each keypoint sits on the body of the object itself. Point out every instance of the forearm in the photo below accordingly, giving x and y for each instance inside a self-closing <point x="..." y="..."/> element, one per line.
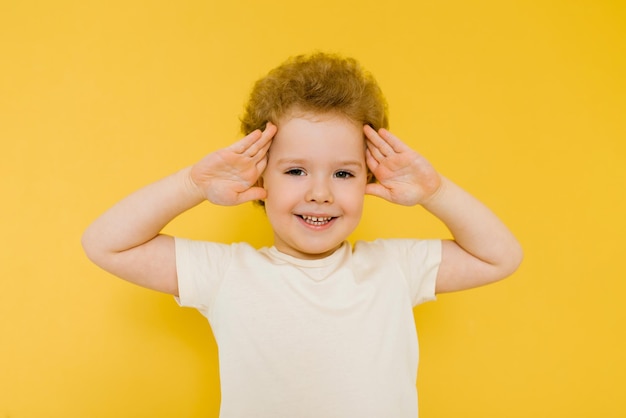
<point x="483" y="249"/>
<point x="141" y="216"/>
<point x="127" y="241"/>
<point x="478" y="232"/>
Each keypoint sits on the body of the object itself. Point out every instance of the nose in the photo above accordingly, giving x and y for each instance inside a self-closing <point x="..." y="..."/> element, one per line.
<point x="319" y="191"/>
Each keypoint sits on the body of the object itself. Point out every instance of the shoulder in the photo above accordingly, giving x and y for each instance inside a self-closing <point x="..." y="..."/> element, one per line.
<point x="413" y="262"/>
<point x="202" y="254"/>
<point x="202" y="267"/>
<point x="211" y="248"/>
<point x="398" y="249"/>
<point x="413" y="257"/>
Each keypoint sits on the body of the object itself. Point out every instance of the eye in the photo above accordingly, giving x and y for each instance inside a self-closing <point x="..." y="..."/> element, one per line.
<point x="295" y="172"/>
<point x="342" y="174"/>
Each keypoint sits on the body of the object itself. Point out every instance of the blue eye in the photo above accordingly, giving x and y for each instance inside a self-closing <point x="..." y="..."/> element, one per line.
<point x="343" y="174"/>
<point x="295" y="172"/>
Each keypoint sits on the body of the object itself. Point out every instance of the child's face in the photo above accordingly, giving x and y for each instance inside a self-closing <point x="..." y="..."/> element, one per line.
<point x="315" y="181"/>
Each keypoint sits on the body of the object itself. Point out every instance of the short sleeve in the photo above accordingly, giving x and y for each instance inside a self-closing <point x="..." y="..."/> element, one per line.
<point x="414" y="261"/>
<point x="200" y="267"/>
<point x="422" y="265"/>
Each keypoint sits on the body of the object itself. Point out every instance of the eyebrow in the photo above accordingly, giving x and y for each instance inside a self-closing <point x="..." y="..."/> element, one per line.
<point x="304" y="161"/>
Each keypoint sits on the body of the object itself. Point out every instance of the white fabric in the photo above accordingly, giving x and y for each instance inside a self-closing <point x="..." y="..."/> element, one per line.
<point x="312" y="338"/>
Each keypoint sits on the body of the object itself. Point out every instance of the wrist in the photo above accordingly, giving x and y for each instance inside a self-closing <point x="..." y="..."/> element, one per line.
<point x="437" y="194"/>
<point x="193" y="193"/>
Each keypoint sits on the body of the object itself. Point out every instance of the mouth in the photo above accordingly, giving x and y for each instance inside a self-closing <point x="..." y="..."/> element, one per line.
<point x="316" y="220"/>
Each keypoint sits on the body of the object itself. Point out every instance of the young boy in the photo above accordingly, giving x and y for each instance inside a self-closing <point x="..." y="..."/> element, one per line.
<point x="313" y="326"/>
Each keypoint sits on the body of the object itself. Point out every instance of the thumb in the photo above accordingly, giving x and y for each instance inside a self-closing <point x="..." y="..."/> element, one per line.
<point x="378" y="190"/>
<point x="253" y="193"/>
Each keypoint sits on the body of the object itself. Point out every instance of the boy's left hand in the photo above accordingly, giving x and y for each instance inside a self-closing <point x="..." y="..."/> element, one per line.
<point x="404" y="176"/>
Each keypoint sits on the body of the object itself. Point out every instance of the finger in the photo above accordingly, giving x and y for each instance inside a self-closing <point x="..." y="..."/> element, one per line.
<point x="261" y="164"/>
<point x="255" y="142"/>
<point x="266" y="138"/>
<point x="244" y="144"/>
<point x="258" y="150"/>
<point x="374" y="151"/>
<point x="270" y="128"/>
<point x="393" y="141"/>
<point x="378" y="142"/>
<point x="378" y="190"/>
<point x="253" y="193"/>
<point x="371" y="162"/>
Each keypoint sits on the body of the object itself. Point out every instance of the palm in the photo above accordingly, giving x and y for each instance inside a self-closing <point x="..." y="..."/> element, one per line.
<point x="228" y="176"/>
<point x="404" y="176"/>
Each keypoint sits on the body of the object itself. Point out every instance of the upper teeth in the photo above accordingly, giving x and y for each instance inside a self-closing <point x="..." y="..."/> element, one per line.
<point x="316" y="219"/>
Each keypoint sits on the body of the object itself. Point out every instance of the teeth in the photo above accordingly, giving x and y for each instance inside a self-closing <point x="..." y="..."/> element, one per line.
<point x="314" y="220"/>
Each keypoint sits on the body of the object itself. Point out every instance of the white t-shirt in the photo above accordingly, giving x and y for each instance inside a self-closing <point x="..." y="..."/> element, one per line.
<point x="327" y="338"/>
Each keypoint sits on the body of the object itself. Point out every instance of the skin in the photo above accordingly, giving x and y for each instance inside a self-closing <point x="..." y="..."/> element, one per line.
<point x="315" y="181"/>
<point x="300" y="168"/>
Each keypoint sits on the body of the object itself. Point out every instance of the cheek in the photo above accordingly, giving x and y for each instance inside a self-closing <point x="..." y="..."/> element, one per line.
<point x="267" y="181"/>
<point x="274" y="185"/>
<point x="280" y="193"/>
<point x="354" y="197"/>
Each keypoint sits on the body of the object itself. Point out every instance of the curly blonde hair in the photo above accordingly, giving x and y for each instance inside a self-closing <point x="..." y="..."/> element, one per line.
<point x="318" y="83"/>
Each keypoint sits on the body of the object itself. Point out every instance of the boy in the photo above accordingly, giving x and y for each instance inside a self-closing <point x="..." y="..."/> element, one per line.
<point x="313" y="326"/>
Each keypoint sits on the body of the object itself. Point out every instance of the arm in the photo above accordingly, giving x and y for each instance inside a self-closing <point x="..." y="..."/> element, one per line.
<point x="483" y="249"/>
<point x="126" y="240"/>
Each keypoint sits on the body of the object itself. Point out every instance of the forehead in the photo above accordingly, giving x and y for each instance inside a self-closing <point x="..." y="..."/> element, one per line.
<point x="308" y="132"/>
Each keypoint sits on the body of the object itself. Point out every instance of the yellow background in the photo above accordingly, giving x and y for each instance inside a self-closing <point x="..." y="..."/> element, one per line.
<point x="523" y="103"/>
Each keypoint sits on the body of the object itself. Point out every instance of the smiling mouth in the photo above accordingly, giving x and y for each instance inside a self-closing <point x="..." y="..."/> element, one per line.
<point x="316" y="221"/>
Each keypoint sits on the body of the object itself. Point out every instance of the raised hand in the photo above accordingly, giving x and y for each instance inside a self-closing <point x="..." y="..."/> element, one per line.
<point x="404" y="176"/>
<point x="229" y="176"/>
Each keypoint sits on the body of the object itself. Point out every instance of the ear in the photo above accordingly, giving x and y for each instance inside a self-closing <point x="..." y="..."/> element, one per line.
<point x="370" y="177"/>
<point x="259" y="183"/>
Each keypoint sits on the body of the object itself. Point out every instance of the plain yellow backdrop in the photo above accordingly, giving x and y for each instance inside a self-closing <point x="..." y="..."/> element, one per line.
<point x="523" y="103"/>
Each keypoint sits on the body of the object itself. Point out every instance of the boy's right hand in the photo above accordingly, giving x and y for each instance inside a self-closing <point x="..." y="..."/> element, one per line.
<point x="229" y="176"/>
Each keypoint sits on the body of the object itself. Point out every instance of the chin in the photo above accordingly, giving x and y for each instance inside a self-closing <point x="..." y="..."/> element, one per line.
<point x="319" y="251"/>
